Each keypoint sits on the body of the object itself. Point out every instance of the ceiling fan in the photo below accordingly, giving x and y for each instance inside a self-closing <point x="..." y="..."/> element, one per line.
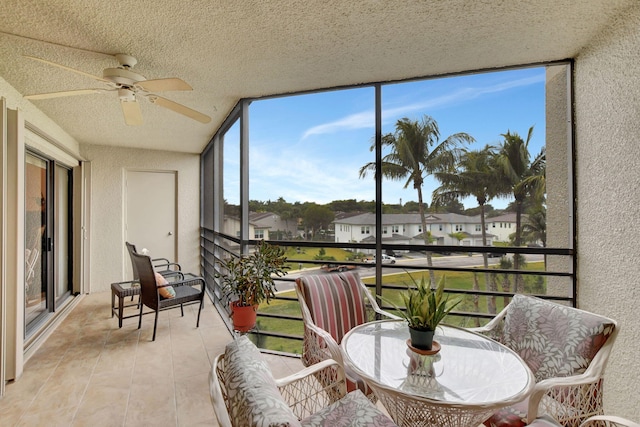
<point x="130" y="86"/>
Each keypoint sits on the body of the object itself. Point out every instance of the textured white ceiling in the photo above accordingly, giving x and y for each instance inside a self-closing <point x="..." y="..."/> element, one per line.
<point x="232" y="49"/>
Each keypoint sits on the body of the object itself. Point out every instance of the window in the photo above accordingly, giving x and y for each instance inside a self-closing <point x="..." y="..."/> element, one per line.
<point x="330" y="135"/>
<point x="258" y="234"/>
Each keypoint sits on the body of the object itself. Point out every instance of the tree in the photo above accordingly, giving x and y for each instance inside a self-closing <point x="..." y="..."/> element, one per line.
<point x="415" y="153"/>
<point x="475" y="175"/>
<point x="316" y="218"/>
<point x="534" y="229"/>
<point x="521" y="178"/>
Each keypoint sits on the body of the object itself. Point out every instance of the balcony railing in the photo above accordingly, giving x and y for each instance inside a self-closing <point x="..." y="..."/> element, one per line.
<point x="280" y="327"/>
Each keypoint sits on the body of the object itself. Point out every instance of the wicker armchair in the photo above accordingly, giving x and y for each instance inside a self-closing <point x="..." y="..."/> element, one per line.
<point x="243" y="393"/>
<point x="161" y="265"/>
<point x="566" y="349"/>
<point x="595" y="421"/>
<point x="608" y="421"/>
<point x="333" y="304"/>
<point x="186" y="291"/>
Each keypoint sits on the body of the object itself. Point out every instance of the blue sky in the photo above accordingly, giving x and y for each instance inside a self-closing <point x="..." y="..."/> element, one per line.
<point x="311" y="147"/>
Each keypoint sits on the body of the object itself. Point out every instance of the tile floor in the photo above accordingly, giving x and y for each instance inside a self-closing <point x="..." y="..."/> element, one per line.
<point x="90" y="373"/>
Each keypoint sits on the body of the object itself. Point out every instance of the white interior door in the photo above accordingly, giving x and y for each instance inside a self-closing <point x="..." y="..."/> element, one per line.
<point x="151" y="214"/>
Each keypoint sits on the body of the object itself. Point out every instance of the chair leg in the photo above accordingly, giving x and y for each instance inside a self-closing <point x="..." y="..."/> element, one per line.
<point x="182" y="310"/>
<point x="199" y="311"/>
<point x="140" y="316"/>
<point x="155" y="326"/>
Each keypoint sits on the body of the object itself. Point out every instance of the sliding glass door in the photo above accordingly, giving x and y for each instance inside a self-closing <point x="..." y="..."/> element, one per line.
<point x="47" y="238"/>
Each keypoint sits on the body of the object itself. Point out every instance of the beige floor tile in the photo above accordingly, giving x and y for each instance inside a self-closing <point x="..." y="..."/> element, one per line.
<point x="92" y="373"/>
<point x="48" y="417"/>
<point x="192" y="400"/>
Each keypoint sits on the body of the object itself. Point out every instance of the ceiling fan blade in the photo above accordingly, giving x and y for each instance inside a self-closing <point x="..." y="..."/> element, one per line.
<point x="132" y="113"/>
<point x="160" y="85"/>
<point x="64" y="67"/>
<point x="64" y="93"/>
<point x="179" y="108"/>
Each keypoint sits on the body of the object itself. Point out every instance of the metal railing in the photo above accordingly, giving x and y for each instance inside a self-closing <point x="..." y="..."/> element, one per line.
<point x="212" y="252"/>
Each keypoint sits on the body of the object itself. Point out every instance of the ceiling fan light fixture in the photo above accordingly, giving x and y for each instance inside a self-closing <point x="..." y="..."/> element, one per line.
<point x="126" y="95"/>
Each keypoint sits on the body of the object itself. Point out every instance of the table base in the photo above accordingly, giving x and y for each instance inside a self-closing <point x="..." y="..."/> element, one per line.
<point x="408" y="412"/>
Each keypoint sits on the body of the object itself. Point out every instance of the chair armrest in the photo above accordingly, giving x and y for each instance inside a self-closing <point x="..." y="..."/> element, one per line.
<point x="313" y="388"/>
<point x="165" y="263"/>
<point x="386" y="314"/>
<point x="492" y="325"/>
<point x="335" y="352"/>
<point x="218" y="393"/>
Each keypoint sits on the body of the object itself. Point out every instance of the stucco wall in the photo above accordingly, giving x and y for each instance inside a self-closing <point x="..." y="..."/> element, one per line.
<point x="607" y="99"/>
<point x="108" y="253"/>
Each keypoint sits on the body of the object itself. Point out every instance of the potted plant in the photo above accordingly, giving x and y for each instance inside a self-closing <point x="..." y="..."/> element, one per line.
<point x="425" y="309"/>
<point x="249" y="280"/>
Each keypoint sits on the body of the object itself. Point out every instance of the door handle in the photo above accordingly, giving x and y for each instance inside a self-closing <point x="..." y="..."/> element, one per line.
<point x="171" y="233"/>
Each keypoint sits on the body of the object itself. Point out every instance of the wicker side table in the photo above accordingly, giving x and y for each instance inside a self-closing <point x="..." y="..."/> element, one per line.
<point x="123" y="290"/>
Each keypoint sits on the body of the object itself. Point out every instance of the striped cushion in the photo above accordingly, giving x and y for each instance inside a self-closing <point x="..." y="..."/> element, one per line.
<point x="335" y="302"/>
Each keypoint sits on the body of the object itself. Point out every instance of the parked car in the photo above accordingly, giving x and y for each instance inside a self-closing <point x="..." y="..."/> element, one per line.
<point x="329" y="268"/>
<point x="386" y="259"/>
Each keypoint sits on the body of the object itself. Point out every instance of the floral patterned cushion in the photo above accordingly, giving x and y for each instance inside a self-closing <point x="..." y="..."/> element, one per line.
<point x="554" y="340"/>
<point x="254" y="398"/>
<point x="353" y="410"/>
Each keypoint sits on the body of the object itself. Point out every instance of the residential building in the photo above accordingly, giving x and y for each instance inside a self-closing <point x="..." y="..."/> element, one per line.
<point x="407" y="228"/>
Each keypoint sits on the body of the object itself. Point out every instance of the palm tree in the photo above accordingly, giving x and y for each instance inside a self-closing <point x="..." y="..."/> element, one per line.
<point x="475" y="175"/>
<point x="522" y="179"/>
<point x="415" y="153"/>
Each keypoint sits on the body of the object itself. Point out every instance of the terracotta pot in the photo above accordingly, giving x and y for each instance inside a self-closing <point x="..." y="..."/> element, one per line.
<point x="244" y="317"/>
<point x="421" y="339"/>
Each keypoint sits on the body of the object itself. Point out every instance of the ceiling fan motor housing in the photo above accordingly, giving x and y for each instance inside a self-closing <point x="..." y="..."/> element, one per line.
<point x="121" y="76"/>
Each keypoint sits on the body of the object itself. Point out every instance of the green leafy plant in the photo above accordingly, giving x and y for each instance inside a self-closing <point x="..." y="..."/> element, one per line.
<point x="250" y="278"/>
<point x="425" y="307"/>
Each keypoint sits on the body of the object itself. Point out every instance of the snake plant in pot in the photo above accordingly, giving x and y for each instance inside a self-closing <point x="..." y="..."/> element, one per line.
<point x="424" y="309"/>
<point x="248" y="280"/>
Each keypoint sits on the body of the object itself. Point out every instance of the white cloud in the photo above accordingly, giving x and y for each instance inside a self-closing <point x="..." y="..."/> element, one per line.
<point x="366" y="119"/>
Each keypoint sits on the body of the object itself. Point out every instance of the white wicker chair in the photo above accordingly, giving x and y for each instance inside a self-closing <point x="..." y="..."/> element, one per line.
<point x="243" y="393"/>
<point x="608" y="421"/>
<point x="333" y="304"/>
<point x="567" y="350"/>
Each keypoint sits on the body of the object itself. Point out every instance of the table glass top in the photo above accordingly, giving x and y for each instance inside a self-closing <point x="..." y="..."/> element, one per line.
<point x="469" y="369"/>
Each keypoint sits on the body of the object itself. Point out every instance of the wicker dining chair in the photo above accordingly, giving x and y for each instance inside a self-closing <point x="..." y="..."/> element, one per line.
<point x="333" y="304"/>
<point x="566" y="349"/>
<point x="186" y="291"/>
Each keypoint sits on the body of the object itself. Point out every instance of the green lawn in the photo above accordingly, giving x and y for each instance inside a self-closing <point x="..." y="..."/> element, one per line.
<point x="454" y="280"/>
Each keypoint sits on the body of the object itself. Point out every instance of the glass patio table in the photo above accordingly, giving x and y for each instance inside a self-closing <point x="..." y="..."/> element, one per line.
<point x="462" y="385"/>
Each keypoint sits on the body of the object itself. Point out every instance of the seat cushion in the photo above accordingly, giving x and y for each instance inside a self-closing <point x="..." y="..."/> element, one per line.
<point x="253" y="397"/>
<point x="353" y="410"/>
<point x="553" y="339"/>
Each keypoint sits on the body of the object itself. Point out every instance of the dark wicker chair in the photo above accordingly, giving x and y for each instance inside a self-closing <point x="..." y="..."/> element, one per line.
<point x="185" y="290"/>
<point x="161" y="265"/>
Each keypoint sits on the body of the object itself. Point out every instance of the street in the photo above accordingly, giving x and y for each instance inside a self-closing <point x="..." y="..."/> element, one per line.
<point x="438" y="261"/>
